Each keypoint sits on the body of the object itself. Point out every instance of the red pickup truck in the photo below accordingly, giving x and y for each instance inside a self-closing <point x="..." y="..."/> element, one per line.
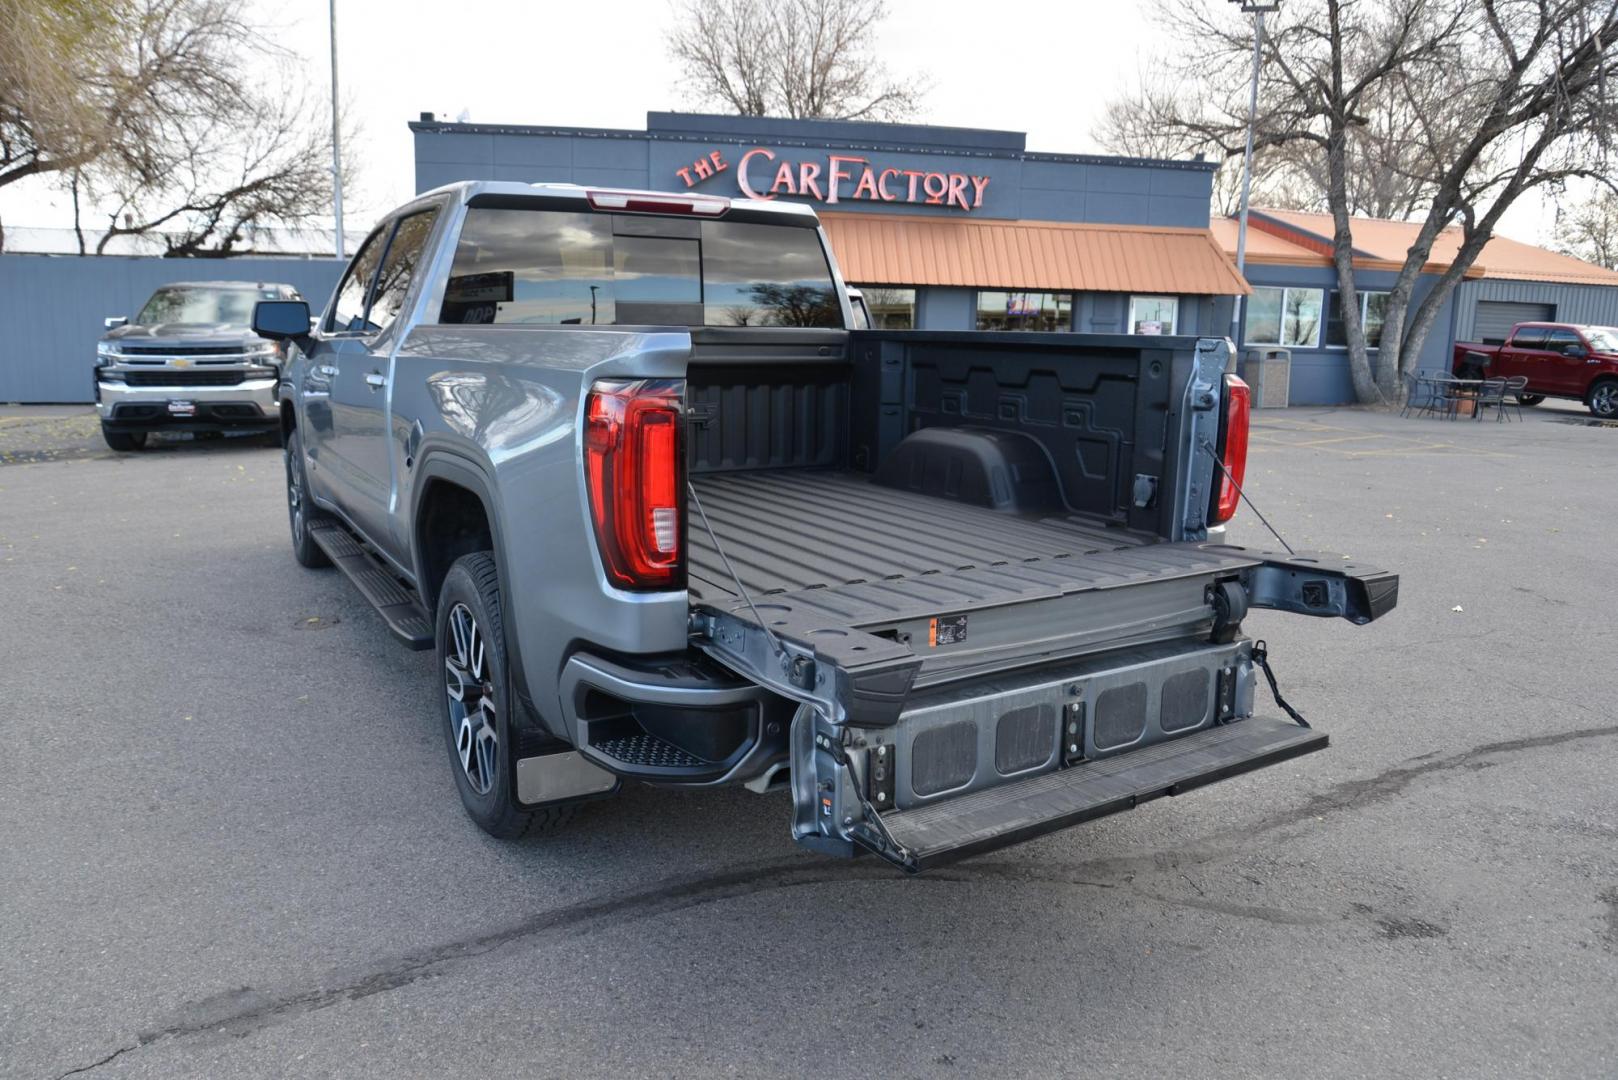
<point x="1558" y="359"/>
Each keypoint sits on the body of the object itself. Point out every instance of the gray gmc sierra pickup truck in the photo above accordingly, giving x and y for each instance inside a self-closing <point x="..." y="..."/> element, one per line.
<point x="617" y="457"/>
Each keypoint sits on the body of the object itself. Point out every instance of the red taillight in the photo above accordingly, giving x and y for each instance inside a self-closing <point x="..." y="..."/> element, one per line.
<point x="1232" y="449"/>
<point x="658" y="202"/>
<point x="634" y="468"/>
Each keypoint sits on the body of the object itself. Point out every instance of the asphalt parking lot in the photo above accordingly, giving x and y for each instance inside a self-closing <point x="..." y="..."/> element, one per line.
<point x="232" y="844"/>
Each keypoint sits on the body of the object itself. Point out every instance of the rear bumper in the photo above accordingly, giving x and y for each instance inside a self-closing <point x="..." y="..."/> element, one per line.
<point x="680" y="721"/>
<point x="250" y="403"/>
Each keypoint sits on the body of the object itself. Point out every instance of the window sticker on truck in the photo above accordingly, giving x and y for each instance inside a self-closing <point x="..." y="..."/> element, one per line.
<point x="948" y="630"/>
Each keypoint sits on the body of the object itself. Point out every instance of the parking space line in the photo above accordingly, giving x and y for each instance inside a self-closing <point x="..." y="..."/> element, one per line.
<point x="1339" y="439"/>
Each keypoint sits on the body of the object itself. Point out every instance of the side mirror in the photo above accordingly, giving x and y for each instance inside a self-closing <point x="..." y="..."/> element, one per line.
<point x="113" y="322"/>
<point x="283" y="320"/>
<point x="1576" y="351"/>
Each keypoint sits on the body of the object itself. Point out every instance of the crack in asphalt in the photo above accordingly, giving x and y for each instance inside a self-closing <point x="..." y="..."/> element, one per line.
<point x="97" y="1064"/>
<point x="244" y="1011"/>
<point x="1350" y="794"/>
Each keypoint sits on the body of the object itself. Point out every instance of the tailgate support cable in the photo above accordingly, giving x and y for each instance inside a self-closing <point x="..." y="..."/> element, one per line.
<point x="1261" y="657"/>
<point x="1214" y="454"/>
<point x="775" y="643"/>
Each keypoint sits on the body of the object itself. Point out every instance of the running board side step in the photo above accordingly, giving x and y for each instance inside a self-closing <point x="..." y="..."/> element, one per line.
<point x="932" y="835"/>
<point x="405" y="617"/>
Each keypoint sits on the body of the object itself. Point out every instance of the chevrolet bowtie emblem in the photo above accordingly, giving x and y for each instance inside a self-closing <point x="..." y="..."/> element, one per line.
<point x="182" y="363"/>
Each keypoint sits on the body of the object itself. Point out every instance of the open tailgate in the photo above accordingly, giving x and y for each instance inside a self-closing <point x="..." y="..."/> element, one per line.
<point x="949" y="716"/>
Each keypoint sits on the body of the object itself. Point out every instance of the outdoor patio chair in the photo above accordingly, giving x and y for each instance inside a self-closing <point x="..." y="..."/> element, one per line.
<point x="1417" y="394"/>
<point x="1443" y="390"/>
<point x="1516" y="386"/>
<point x="1492" y="392"/>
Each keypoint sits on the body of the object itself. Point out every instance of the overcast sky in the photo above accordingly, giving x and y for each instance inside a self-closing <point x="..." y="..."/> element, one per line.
<point x="1045" y="67"/>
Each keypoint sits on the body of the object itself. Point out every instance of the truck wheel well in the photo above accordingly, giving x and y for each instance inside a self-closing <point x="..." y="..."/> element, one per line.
<point x="289" y="420"/>
<point x="452" y="522"/>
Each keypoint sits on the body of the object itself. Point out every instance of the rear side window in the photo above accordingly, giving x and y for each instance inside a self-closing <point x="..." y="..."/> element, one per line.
<point x="348" y="310"/>
<point x="1529" y="337"/>
<point x="563" y="267"/>
<point x="399" y="268"/>
<point x="1561" y="340"/>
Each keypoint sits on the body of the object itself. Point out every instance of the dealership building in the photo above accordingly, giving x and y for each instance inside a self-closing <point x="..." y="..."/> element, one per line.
<point x="941" y="228"/>
<point x="958" y="229"/>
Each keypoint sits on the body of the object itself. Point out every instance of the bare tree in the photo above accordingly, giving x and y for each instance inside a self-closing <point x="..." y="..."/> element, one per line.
<point x="1444" y="110"/>
<point x="1134" y="126"/>
<point x="132" y="102"/>
<point x="228" y="185"/>
<point x="794" y="58"/>
<point x="1589" y="230"/>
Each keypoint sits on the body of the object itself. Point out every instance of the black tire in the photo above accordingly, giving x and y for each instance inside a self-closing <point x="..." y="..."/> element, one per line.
<point x="1602" y="400"/>
<point x="301" y="511"/>
<point x="1530" y="399"/>
<point x="472" y="661"/>
<point x="126" y="442"/>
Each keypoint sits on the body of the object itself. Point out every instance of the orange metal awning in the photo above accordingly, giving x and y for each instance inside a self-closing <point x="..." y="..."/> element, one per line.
<point x="884" y="249"/>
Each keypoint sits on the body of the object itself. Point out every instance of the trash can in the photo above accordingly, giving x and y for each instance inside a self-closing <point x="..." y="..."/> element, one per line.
<point x="1269" y="373"/>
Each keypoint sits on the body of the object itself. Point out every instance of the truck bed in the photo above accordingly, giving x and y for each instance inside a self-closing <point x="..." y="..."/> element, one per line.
<point x="833" y="557"/>
<point x="791" y="530"/>
<point x="939" y="505"/>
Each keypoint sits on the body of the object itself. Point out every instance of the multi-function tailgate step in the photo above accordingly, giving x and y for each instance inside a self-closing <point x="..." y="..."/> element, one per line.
<point x="1024" y="809"/>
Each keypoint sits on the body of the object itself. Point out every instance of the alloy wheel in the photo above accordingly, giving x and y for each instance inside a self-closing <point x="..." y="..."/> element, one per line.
<point x="1604" y="401"/>
<point x="295" y="497"/>
<point x="472" y="705"/>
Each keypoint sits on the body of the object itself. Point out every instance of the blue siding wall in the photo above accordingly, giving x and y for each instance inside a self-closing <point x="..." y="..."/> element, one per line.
<point x="946" y="309"/>
<point x="1320" y="375"/>
<point x="52" y="307"/>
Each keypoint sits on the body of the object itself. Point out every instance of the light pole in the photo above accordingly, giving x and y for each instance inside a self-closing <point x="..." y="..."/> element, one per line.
<point x="1258" y="11"/>
<point x="337" y="139"/>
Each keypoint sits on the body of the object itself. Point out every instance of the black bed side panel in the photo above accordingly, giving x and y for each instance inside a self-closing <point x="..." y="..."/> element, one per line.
<point x="769" y="416"/>
<point x="1100" y="406"/>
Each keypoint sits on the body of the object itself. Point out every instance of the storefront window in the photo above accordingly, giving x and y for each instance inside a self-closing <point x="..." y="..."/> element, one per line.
<point x="1153" y="314"/>
<point x="1025" y="311"/>
<point x="891" y="308"/>
<point x="1372" y="307"/>
<point x="1283" y="317"/>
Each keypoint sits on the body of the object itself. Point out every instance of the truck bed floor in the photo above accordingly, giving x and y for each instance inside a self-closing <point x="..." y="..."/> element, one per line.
<point x="857" y="553"/>
<point x="789" y="530"/>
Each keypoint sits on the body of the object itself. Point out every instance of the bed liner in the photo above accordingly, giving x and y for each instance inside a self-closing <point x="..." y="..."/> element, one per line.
<point x="862" y="574"/>
<point x="837" y="540"/>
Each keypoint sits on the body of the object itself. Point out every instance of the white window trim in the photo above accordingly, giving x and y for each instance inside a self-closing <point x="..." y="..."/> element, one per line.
<point x="1174" y="300"/>
<point x="1362" y="294"/>
<point x="1320" y="326"/>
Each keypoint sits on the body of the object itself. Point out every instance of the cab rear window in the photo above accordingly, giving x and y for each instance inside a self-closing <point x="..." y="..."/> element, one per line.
<point x="559" y="267"/>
